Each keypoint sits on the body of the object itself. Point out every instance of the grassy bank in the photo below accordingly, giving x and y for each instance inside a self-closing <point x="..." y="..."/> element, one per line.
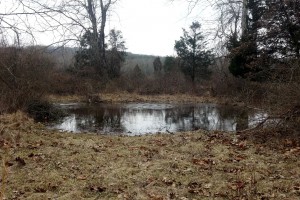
<point x="43" y="164"/>
<point x="124" y="97"/>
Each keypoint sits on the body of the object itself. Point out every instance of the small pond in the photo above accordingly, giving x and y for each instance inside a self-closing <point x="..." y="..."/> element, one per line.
<point x="143" y="118"/>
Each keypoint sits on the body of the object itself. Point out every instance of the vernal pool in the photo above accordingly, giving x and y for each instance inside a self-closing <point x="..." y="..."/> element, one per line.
<point x="143" y="118"/>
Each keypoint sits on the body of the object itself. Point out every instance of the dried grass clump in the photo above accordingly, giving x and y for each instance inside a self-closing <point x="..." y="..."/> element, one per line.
<point x="12" y="126"/>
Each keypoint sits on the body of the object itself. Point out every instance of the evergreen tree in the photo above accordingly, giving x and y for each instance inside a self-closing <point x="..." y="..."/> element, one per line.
<point x="191" y="48"/>
<point x="244" y="52"/>
<point x="116" y="53"/>
<point x="170" y="63"/>
<point x="89" y="56"/>
<point x="157" y="65"/>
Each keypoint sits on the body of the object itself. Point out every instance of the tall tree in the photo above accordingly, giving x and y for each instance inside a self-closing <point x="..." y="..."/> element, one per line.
<point x="258" y="33"/>
<point x="68" y="20"/>
<point x="97" y="14"/>
<point x="157" y="65"/>
<point x="89" y="56"/>
<point x="116" y="53"/>
<point x="191" y="48"/>
<point x="244" y="51"/>
<point x="282" y="29"/>
<point x="272" y="31"/>
<point x="170" y="63"/>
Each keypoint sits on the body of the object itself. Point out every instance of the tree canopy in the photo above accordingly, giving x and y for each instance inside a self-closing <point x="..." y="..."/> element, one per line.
<point x="191" y="48"/>
<point x="89" y="55"/>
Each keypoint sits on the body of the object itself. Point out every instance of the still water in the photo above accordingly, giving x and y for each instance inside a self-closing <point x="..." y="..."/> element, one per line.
<point x="142" y="118"/>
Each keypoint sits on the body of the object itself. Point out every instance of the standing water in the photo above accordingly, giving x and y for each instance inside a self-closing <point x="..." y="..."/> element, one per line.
<point x="143" y="118"/>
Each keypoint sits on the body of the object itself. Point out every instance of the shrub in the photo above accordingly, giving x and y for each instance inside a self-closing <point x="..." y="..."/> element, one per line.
<point x="41" y="110"/>
<point x="23" y="77"/>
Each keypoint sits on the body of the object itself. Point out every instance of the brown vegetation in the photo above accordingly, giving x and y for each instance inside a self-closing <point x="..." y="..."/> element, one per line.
<point x="259" y="163"/>
<point x="23" y="77"/>
<point x="42" y="164"/>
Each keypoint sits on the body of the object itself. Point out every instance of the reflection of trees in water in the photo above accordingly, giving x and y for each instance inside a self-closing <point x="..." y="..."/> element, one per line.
<point x="146" y="112"/>
<point x="242" y="120"/>
<point x="109" y="119"/>
<point x="189" y="117"/>
<point x="145" y="120"/>
<point x="179" y="118"/>
<point x="83" y="120"/>
<point x="238" y="115"/>
<point x="133" y="114"/>
<point x="99" y="118"/>
<point x="207" y="117"/>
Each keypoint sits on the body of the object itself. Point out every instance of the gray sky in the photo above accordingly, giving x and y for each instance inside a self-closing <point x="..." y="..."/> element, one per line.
<point x="148" y="26"/>
<point x="152" y="26"/>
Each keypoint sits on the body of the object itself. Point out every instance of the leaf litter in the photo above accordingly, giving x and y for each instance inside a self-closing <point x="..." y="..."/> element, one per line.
<point x="45" y="164"/>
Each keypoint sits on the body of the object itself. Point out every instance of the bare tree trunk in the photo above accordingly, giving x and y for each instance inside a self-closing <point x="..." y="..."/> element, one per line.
<point x="104" y="10"/>
<point x="244" y="17"/>
<point x="95" y="39"/>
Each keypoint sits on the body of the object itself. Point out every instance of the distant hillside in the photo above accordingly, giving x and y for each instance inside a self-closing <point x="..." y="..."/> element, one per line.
<point x="64" y="58"/>
<point x="145" y="62"/>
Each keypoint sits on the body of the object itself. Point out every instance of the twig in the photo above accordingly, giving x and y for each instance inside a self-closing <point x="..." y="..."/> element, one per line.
<point x="260" y="124"/>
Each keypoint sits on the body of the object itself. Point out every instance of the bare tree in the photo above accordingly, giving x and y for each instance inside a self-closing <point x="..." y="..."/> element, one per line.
<point x="68" y="19"/>
<point x="28" y="22"/>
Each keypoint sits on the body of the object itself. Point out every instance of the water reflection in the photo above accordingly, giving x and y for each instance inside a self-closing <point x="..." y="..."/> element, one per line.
<point x="138" y="118"/>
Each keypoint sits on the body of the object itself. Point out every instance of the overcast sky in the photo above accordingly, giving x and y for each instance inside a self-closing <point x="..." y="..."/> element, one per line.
<point x="152" y="26"/>
<point x="148" y="26"/>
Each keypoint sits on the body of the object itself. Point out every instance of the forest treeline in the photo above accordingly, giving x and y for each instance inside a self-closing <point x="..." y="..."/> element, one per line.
<point x="257" y="58"/>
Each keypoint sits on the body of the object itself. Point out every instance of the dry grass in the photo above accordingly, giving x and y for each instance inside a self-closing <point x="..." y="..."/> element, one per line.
<point x="43" y="164"/>
<point x="133" y="97"/>
<point x="178" y="98"/>
<point x="65" y="98"/>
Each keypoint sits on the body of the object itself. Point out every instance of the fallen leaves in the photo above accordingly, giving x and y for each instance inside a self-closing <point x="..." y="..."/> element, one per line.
<point x="35" y="145"/>
<point x="235" y="157"/>
<point x="153" y="196"/>
<point x="40" y="190"/>
<point x="21" y="162"/>
<point x="237" y="185"/>
<point x="157" y="142"/>
<point x="242" y="145"/>
<point x="204" y="163"/>
<point x="95" y="188"/>
<point x="44" y="187"/>
<point x="147" y="152"/>
<point x="81" y="177"/>
<point x="232" y="170"/>
<point x="293" y="151"/>
<point x="296" y="189"/>
<point x="169" y="182"/>
<point x="8" y="164"/>
<point x="193" y="165"/>
<point x="207" y="186"/>
<point x="200" y="189"/>
<point x="38" y="157"/>
<point x="98" y="149"/>
<point x="194" y="187"/>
